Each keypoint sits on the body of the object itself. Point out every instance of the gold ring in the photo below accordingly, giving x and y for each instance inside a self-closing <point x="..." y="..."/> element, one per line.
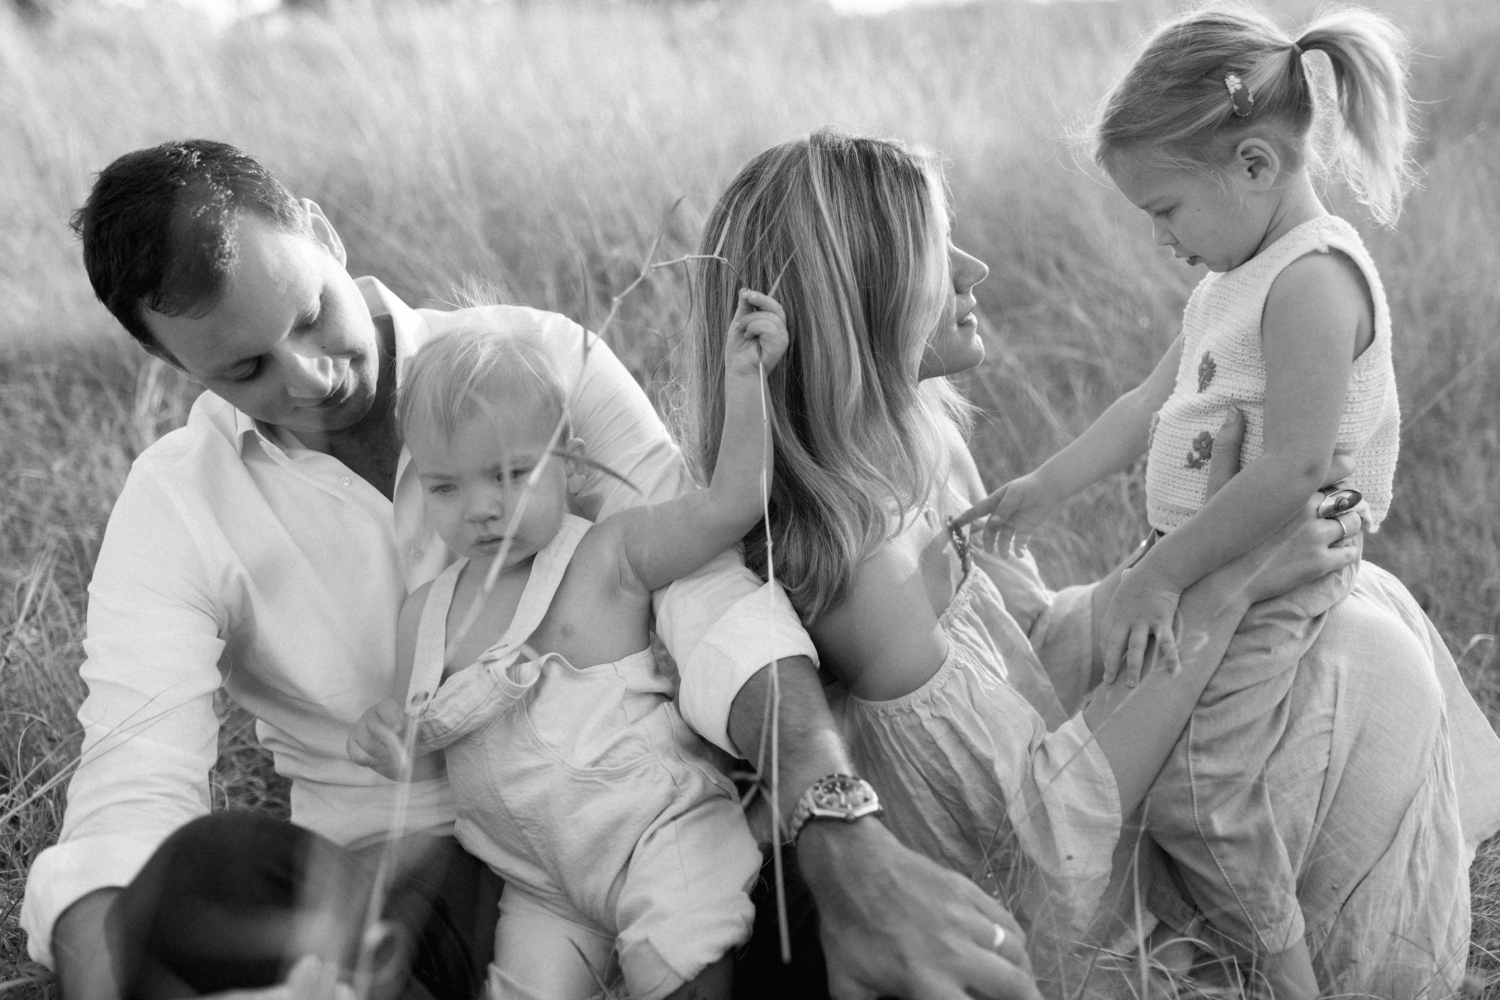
<point x="1344" y="527"/>
<point x="999" y="941"/>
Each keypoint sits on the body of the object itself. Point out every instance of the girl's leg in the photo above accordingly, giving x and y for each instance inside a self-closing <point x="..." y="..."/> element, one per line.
<point x="541" y="954"/>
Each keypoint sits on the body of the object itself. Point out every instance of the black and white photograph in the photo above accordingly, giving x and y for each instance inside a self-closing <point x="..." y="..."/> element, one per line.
<point x="749" y="500"/>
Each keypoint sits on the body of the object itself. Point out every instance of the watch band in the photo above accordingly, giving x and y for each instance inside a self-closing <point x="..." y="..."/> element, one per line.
<point x="833" y="796"/>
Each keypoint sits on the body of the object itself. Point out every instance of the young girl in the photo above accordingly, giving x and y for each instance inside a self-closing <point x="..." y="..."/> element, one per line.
<point x="945" y="705"/>
<point x="576" y="779"/>
<point x="1208" y="133"/>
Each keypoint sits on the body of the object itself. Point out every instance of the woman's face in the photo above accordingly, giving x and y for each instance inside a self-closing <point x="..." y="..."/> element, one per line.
<point x="953" y="345"/>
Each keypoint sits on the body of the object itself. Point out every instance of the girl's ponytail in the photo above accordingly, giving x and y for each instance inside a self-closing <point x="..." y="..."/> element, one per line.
<point x="1368" y="53"/>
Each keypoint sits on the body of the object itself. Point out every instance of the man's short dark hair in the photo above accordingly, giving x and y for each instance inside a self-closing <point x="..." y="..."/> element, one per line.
<point x="158" y="228"/>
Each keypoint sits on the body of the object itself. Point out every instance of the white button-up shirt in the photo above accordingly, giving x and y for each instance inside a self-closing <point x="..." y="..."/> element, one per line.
<point x="235" y="557"/>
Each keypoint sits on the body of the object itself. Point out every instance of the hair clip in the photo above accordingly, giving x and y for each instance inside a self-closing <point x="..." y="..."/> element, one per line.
<point x="1239" y="95"/>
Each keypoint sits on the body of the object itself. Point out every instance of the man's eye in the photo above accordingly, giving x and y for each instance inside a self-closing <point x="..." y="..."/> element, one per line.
<point x="245" y="373"/>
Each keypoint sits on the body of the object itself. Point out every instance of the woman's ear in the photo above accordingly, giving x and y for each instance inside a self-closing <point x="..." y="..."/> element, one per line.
<point x="578" y="469"/>
<point x="323" y="232"/>
<point x="1256" y="164"/>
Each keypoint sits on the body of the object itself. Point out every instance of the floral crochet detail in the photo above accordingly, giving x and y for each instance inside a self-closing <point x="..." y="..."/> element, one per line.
<point x="1203" y="450"/>
<point x="1206" y="369"/>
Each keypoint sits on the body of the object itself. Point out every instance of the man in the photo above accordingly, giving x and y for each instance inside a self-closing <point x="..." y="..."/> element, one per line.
<point x="266" y="547"/>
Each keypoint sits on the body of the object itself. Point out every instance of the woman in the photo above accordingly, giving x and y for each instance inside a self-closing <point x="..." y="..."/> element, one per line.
<point x="957" y="670"/>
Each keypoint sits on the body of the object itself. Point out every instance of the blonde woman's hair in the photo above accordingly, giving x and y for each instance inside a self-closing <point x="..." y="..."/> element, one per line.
<point x="455" y="375"/>
<point x="846" y="232"/>
<point x="1174" y="104"/>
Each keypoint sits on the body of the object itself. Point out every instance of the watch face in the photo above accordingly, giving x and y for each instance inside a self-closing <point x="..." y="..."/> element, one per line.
<point x="842" y="794"/>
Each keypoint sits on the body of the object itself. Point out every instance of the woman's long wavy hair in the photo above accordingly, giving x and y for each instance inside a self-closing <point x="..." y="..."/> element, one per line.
<point x="1173" y="102"/>
<point x="848" y="231"/>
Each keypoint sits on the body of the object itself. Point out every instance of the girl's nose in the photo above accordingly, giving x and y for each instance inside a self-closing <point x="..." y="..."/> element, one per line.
<point x="310" y="373"/>
<point x="1160" y="233"/>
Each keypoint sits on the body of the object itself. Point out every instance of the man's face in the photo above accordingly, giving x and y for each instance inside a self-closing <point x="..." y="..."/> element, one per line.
<point x="291" y="341"/>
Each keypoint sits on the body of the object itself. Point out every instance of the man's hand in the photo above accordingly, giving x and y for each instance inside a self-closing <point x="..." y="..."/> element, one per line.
<point x="894" y="923"/>
<point x="378" y="740"/>
<point x="1013" y="511"/>
<point x="1142" y="608"/>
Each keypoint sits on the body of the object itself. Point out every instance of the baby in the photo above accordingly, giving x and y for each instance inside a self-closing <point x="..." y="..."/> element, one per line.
<point x="528" y="662"/>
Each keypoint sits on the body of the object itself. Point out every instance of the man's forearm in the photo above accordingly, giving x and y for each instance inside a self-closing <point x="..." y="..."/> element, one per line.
<point x="808" y="747"/>
<point x="83" y="948"/>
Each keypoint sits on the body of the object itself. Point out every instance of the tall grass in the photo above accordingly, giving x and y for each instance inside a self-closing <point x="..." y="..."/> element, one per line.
<point x="539" y="148"/>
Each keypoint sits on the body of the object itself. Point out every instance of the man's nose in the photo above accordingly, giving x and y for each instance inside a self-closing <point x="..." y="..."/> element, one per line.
<point x="310" y="372"/>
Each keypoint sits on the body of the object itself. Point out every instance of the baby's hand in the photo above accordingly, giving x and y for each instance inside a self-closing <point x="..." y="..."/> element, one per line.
<point x="1014" y="511"/>
<point x="757" y="335"/>
<point x="1144" y="605"/>
<point x="378" y="740"/>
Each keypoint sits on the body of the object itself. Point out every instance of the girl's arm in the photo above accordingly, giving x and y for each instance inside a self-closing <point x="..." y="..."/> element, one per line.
<point x="1111" y="443"/>
<point x="665" y="541"/>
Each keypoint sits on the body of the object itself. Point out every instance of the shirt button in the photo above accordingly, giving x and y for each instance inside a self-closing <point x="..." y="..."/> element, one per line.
<point x="345" y="481"/>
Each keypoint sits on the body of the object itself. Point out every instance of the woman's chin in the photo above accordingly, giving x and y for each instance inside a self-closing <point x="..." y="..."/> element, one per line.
<point x="954" y="361"/>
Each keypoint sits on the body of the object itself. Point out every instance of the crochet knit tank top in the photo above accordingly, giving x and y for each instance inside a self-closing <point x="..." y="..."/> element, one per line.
<point x="1222" y="366"/>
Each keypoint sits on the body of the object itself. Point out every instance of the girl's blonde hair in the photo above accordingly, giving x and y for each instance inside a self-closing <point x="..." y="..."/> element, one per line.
<point x="453" y="376"/>
<point x="846" y="232"/>
<point x="1174" y="102"/>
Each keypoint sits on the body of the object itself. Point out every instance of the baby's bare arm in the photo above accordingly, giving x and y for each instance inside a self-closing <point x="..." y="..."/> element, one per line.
<point x="670" y="540"/>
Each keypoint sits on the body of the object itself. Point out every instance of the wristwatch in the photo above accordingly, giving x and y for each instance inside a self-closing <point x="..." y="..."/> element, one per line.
<point x="836" y="796"/>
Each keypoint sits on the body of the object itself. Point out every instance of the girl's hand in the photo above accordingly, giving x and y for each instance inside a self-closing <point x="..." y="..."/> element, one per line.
<point x="1013" y="511"/>
<point x="378" y="740"/>
<point x="1143" y="607"/>
<point x="757" y="335"/>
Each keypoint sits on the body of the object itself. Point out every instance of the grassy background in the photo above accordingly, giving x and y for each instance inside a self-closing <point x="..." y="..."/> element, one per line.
<point x="539" y="147"/>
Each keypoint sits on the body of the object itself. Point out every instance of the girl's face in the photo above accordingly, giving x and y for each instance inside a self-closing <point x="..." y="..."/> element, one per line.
<point x="1203" y="220"/>
<point x="953" y="345"/>
<point x="473" y="480"/>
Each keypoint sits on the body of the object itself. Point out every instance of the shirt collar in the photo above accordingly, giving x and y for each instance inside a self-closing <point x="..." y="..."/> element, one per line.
<point x="407" y="327"/>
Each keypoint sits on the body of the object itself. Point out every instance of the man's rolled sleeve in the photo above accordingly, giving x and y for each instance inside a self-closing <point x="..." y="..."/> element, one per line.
<point x="729" y="625"/>
<point x="149" y="728"/>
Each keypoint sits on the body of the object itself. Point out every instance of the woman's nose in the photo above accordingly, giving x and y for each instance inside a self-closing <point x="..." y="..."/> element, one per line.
<point x="310" y="373"/>
<point x="968" y="270"/>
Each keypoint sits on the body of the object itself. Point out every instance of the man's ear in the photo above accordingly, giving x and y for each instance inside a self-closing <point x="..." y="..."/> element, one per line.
<point x="578" y="468"/>
<point x="1256" y="164"/>
<point x="324" y="233"/>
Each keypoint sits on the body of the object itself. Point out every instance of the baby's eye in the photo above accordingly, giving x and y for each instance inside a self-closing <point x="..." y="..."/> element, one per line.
<point x="515" y="475"/>
<point x="245" y="372"/>
<point x="441" y="489"/>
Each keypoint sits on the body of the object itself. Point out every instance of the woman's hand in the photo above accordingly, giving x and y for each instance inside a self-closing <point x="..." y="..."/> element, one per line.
<point x="757" y="335"/>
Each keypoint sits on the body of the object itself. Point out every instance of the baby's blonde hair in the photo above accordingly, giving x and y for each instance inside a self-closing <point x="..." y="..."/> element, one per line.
<point x="1173" y="103"/>
<point x="452" y="377"/>
<point x="851" y="229"/>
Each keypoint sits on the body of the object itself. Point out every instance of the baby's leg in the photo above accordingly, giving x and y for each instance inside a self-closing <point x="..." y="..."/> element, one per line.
<point x="541" y="954"/>
<point x="1210" y="807"/>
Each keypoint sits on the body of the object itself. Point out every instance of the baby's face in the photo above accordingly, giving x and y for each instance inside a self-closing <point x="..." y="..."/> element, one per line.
<point x="473" y="481"/>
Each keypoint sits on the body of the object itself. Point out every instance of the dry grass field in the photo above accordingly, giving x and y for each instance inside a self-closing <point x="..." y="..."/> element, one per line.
<point x="538" y="147"/>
